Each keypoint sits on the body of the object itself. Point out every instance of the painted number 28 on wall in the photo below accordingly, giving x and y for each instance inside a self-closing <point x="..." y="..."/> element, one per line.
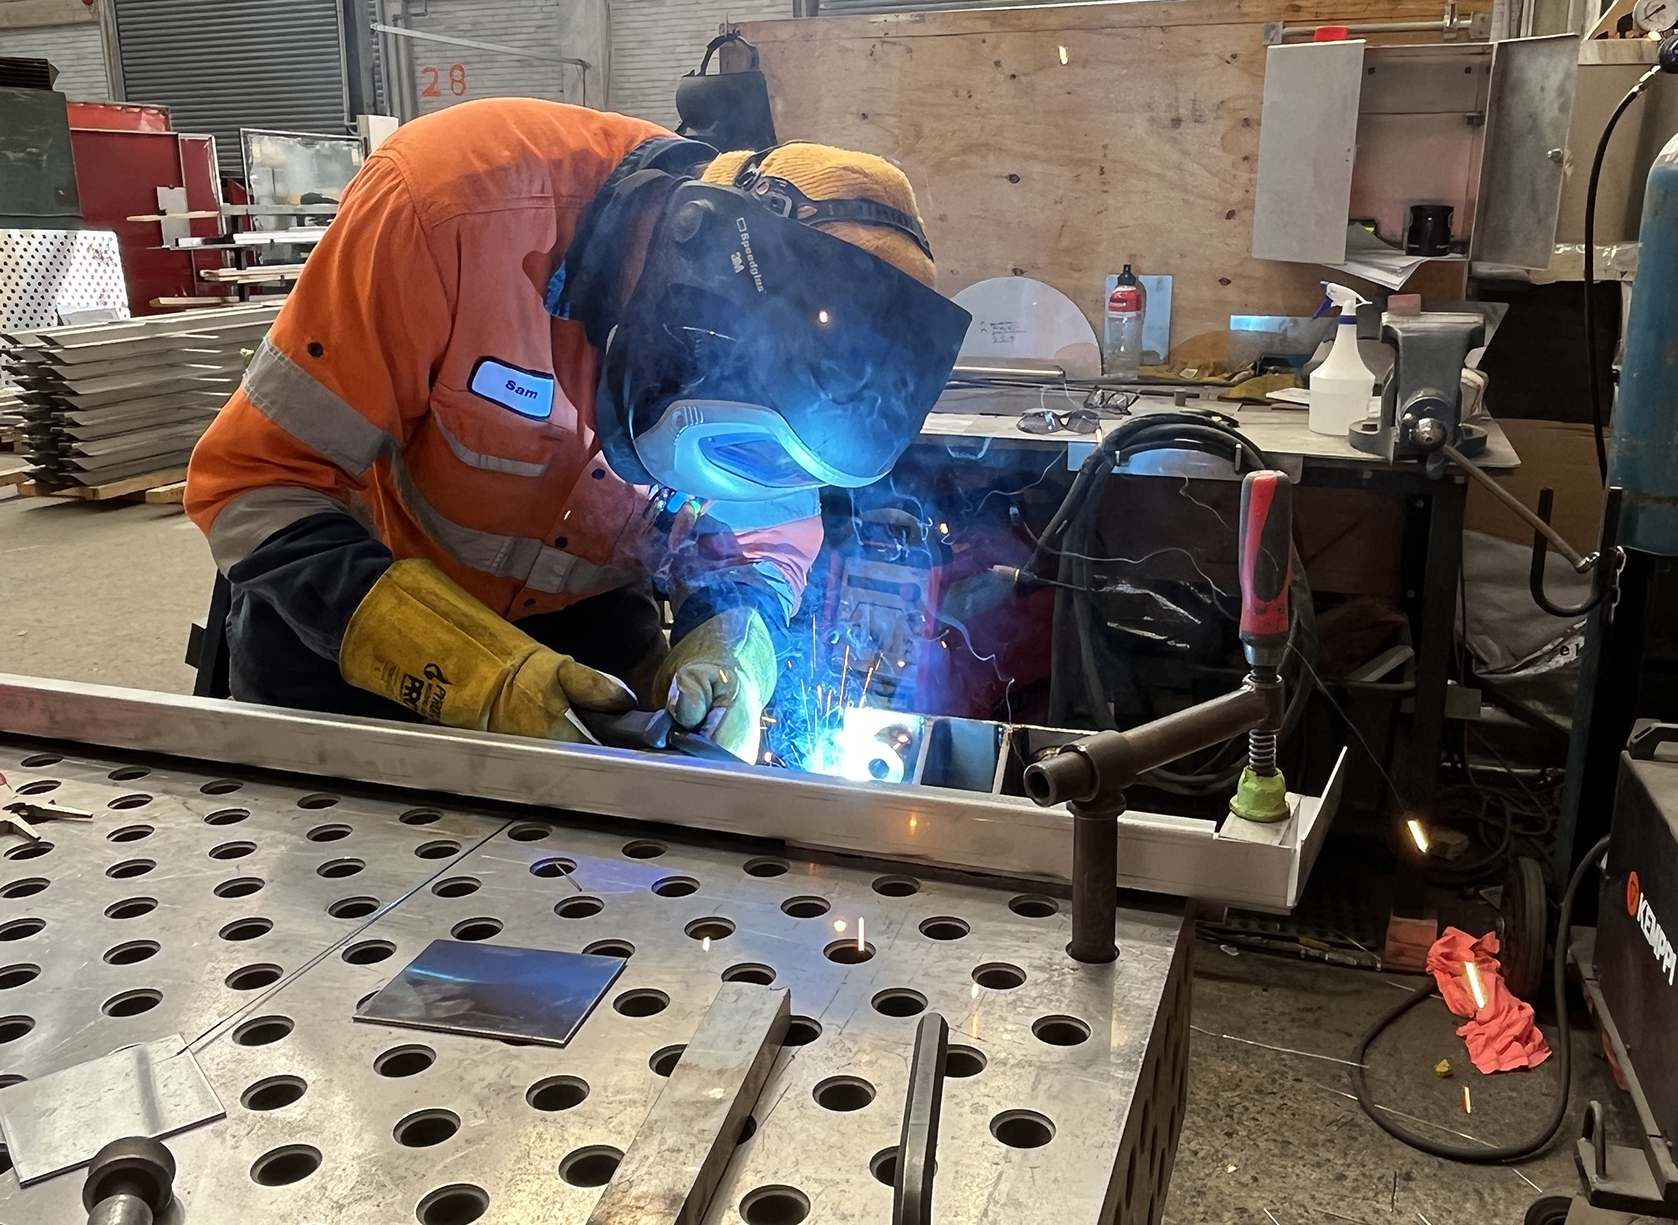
<point x="433" y="78"/>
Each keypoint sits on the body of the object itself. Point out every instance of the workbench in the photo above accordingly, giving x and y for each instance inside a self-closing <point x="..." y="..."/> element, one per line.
<point x="1431" y="555"/>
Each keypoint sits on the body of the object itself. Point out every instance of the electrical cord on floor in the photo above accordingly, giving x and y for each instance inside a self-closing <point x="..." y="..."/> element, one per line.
<point x="1562" y="1046"/>
<point x="1666" y="61"/>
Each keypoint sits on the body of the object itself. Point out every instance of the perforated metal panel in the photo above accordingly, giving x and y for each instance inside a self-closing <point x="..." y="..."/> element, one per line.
<point x="251" y="916"/>
<point x="236" y="63"/>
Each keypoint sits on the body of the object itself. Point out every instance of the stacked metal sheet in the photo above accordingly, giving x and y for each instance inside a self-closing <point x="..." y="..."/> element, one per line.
<point x="115" y="401"/>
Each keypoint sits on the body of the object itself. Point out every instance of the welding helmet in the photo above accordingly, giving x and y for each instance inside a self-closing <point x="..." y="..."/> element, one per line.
<point x="758" y="358"/>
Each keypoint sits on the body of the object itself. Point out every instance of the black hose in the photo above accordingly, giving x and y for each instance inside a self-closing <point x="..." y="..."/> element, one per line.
<point x="1597" y="421"/>
<point x="1562" y="1046"/>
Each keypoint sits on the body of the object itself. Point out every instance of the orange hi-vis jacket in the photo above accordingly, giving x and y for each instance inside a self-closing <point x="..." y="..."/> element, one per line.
<point x="415" y="380"/>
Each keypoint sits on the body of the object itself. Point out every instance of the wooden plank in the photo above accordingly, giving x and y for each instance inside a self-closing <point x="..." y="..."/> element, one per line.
<point x="251" y="276"/>
<point x="122" y="488"/>
<point x="167" y="495"/>
<point x="1140" y="148"/>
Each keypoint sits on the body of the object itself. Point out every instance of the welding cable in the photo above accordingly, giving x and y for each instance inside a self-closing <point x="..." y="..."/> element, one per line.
<point x="1521" y="1149"/>
<point x="1597" y="416"/>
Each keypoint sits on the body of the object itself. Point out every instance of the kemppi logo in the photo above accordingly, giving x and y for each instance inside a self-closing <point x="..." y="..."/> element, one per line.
<point x="1637" y="906"/>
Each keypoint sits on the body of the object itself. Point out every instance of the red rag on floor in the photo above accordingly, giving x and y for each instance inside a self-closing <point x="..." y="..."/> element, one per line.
<point x="1501" y="1036"/>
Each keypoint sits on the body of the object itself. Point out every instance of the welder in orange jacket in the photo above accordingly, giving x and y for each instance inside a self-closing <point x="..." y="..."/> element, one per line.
<point x="547" y="367"/>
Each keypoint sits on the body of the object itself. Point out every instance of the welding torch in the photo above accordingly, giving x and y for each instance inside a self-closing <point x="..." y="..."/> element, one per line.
<point x="1090" y="775"/>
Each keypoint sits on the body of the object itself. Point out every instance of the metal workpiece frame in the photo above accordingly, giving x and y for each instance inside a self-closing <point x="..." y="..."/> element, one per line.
<point x="1259" y="869"/>
<point x="252" y="914"/>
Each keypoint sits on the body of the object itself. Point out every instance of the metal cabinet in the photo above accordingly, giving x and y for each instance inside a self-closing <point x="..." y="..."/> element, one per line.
<point x="1352" y="131"/>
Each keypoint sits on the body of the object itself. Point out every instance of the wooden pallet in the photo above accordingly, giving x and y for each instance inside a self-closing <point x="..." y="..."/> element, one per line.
<point x="168" y="486"/>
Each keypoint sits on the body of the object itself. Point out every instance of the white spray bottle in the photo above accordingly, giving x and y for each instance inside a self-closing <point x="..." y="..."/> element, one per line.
<point x="1342" y="386"/>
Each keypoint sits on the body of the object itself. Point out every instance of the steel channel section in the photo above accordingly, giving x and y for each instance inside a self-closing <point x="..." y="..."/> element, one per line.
<point x="1072" y="1117"/>
<point x="998" y="835"/>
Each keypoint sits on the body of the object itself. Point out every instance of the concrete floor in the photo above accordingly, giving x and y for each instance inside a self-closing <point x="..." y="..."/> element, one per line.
<point x="105" y="593"/>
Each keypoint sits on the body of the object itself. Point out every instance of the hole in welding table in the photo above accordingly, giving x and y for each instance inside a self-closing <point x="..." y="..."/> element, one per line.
<point x="664" y="1060"/>
<point x="592" y="1166"/>
<point x="30" y="850"/>
<point x="127" y="774"/>
<point x="843" y="1093"/>
<point x="17" y="975"/>
<point x="334" y="869"/>
<point x="420" y="816"/>
<point x="766" y="866"/>
<point x="459" y="1204"/>
<point x="409" y="1060"/>
<point x="247" y="929"/>
<point x="883" y="1165"/>
<point x="896" y="886"/>
<point x="132" y="951"/>
<point x="999" y="976"/>
<point x="557" y="1093"/>
<point x="806" y="907"/>
<point x="712" y="927"/>
<point x="641" y="1003"/>
<point x="132" y="1003"/>
<point x="528" y="831"/>
<point x="425" y="1128"/>
<point x="29" y="886"/>
<point x="1060" y="1031"/>
<point x="899" y="1002"/>
<point x="441" y="849"/>
<point x="130" y="867"/>
<point x="21" y="929"/>
<point x="749" y="972"/>
<point x="353" y="907"/>
<point x="748" y="1129"/>
<point x="457" y="886"/>
<point x="263" y="1031"/>
<point x="964" y="1061"/>
<point x="13" y="1028"/>
<point x="39" y="787"/>
<point x="239" y="886"/>
<point x="273" y="1092"/>
<point x="579" y="907"/>
<point x="328" y="833"/>
<point x="644" y="848"/>
<point x="1022" y="1129"/>
<point x="610" y="948"/>
<point x="282" y="1166"/>
<point x="6" y="1082"/>
<point x="1034" y="906"/>
<point x="317" y="800"/>
<point x="675" y="886"/>
<point x="232" y="850"/>
<point x="40" y="761"/>
<point x="368" y="952"/>
<point x="481" y="928"/>
<point x="775" y="1205"/>
<point x="131" y="908"/>
<point x="848" y="952"/>
<point x="945" y="927"/>
<point x="556" y="866"/>
<point x="221" y="786"/>
<point x="227" y="816"/>
<point x="801" y="1031"/>
<point x="252" y="978"/>
<point x="5" y="1159"/>
<point x="137" y="800"/>
<point x="130" y="833"/>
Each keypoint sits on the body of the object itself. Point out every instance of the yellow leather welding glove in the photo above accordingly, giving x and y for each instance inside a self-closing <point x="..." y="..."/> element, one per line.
<point x="419" y="639"/>
<point x="719" y="677"/>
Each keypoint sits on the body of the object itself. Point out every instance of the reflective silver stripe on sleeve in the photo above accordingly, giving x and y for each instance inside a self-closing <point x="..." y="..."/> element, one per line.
<point x="489" y="463"/>
<point x="249" y="519"/>
<point x="517" y="557"/>
<point x="303" y="407"/>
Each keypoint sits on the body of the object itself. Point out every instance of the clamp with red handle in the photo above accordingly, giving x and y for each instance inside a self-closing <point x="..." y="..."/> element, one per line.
<point x="1265" y="557"/>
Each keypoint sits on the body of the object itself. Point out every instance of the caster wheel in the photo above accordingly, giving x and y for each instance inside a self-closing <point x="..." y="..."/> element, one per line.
<point x="1524" y="925"/>
<point x="1548" y="1209"/>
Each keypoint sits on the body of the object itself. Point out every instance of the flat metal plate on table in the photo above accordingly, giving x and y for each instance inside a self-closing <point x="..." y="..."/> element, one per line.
<point x="254" y="913"/>
<point x="461" y="987"/>
<point x="60" y="1121"/>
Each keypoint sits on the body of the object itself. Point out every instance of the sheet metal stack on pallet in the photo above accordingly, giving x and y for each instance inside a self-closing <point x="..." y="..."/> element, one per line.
<point x="112" y="403"/>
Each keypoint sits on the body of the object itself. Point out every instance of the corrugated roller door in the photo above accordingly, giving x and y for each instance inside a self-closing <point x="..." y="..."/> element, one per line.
<point x="222" y="65"/>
